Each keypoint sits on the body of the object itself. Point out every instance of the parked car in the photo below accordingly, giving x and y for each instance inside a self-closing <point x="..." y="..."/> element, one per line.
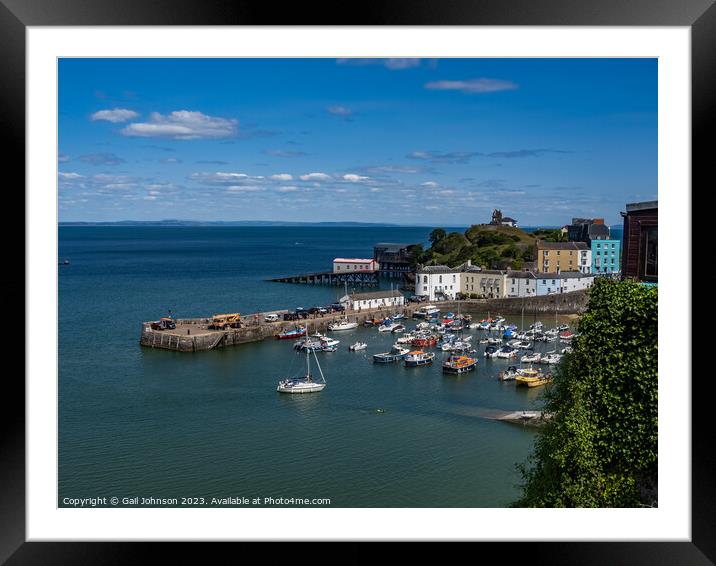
<point x="273" y="317"/>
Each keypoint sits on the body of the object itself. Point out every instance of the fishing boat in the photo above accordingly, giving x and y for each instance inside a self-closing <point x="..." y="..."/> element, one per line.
<point x="329" y="349"/>
<point x="398" y="316"/>
<point x="427" y="311"/>
<point x="566" y="336"/>
<point x="305" y="383"/>
<point x="293" y="333"/>
<point x="563" y="327"/>
<point x="459" y="364"/>
<point x="551" y="358"/>
<point x="388" y="326"/>
<point x="343" y="324"/>
<point x="395" y="355"/>
<point x="506" y="352"/>
<point x="357" y="346"/>
<point x="531" y="378"/>
<point x="494" y="341"/>
<point x="491" y="352"/>
<point x="398" y="328"/>
<point x="509" y="374"/>
<point x="424" y="342"/>
<point x="533" y="358"/>
<point x="418" y="358"/>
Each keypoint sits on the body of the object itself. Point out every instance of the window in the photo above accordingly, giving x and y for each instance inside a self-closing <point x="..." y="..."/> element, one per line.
<point x="513" y="281"/>
<point x="425" y="278"/>
<point x="650" y="239"/>
<point x="552" y="281"/>
<point x="513" y="289"/>
<point x="559" y="253"/>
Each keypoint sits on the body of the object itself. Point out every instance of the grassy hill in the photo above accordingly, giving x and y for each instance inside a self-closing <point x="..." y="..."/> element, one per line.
<point x="484" y="244"/>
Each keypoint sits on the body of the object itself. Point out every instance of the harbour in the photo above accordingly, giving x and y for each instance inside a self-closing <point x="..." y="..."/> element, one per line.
<point x="193" y="334"/>
<point x="169" y="422"/>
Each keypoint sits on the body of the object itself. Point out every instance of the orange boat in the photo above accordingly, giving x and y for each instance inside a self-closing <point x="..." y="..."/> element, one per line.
<point x="459" y="364"/>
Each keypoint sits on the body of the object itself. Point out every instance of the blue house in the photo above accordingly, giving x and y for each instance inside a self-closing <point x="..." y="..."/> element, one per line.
<point x="606" y="256"/>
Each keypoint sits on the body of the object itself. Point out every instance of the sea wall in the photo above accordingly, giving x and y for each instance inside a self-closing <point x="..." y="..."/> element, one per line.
<point x="563" y="303"/>
<point x="191" y="335"/>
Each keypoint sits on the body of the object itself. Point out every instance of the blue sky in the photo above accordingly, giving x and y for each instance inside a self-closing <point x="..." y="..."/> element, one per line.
<point x="405" y="141"/>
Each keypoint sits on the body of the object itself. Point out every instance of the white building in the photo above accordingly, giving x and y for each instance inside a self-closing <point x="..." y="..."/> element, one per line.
<point x="553" y="283"/>
<point x="437" y="282"/>
<point x="372" y="300"/>
<point x="585" y="261"/>
<point x="345" y="265"/>
<point x="521" y="284"/>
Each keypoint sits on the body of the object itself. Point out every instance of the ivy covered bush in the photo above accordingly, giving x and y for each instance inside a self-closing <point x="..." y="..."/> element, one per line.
<point x="599" y="449"/>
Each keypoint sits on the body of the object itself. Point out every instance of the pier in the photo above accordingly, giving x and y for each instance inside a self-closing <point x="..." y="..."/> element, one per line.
<point x="357" y="279"/>
<point x="193" y="334"/>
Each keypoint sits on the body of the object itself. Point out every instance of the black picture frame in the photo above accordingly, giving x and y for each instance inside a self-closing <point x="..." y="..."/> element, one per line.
<point x="17" y="15"/>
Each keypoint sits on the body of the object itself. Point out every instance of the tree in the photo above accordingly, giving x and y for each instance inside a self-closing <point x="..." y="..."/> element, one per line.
<point x="436" y="235"/>
<point x="599" y="449"/>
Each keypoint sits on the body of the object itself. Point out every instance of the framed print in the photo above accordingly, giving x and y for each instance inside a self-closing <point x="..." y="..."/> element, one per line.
<point x="407" y="216"/>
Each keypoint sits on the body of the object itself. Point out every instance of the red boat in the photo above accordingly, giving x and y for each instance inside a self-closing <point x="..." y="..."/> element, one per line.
<point x="424" y="342"/>
<point x="293" y="333"/>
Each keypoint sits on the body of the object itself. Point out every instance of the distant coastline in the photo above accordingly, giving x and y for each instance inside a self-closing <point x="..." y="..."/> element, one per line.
<point x="222" y="223"/>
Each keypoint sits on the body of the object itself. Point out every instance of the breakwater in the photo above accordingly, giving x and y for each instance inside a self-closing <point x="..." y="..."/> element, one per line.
<point x="192" y="334"/>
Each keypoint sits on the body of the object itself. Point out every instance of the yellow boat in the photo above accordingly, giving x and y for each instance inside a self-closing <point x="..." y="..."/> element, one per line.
<point x="531" y="378"/>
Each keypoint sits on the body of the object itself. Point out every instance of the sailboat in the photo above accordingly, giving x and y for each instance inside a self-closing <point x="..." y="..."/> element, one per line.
<point x="306" y="383"/>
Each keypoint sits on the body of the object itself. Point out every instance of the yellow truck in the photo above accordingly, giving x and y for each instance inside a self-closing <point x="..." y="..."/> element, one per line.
<point x="225" y="321"/>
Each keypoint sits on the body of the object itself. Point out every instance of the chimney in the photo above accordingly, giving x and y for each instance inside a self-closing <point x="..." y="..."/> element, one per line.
<point x="468" y="262"/>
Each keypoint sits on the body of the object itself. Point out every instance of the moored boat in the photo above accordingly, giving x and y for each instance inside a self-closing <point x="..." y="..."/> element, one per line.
<point x="532" y="378"/>
<point x="292" y="333"/>
<point x="357" y="346"/>
<point x="303" y="384"/>
<point x="344" y="324"/>
<point x="395" y="355"/>
<point x="418" y="358"/>
<point x="459" y="364"/>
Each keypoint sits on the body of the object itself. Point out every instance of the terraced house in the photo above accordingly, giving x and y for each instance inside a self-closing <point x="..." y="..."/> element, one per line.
<point x="559" y="257"/>
<point x="486" y="283"/>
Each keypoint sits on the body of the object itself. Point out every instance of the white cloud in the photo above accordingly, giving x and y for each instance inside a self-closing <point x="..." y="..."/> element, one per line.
<point x="315" y="177"/>
<point x="69" y="175"/>
<point x="287" y="189"/>
<point x="354" y="178"/>
<point x="115" y="116"/>
<point x="282" y="177"/>
<point x="394" y="64"/>
<point x="242" y="189"/>
<point x="430" y="184"/>
<point x="63" y="158"/>
<point x="183" y="125"/>
<point x="339" y="110"/>
<point x="472" y="86"/>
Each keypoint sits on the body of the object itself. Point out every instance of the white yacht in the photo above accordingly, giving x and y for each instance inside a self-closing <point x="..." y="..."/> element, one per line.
<point x="342" y="325"/>
<point x="306" y="383"/>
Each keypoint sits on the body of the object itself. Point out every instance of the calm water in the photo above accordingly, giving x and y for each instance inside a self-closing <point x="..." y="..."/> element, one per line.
<point x="150" y="423"/>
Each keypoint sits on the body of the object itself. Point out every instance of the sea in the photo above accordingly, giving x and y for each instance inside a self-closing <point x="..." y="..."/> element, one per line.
<point x="209" y="428"/>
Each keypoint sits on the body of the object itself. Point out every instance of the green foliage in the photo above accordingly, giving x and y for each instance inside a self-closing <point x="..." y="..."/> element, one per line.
<point x="450" y="243"/>
<point x="416" y="252"/>
<point x="528" y="254"/>
<point x="436" y="235"/>
<point x="549" y="235"/>
<point x="600" y="448"/>
<point x="516" y="264"/>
